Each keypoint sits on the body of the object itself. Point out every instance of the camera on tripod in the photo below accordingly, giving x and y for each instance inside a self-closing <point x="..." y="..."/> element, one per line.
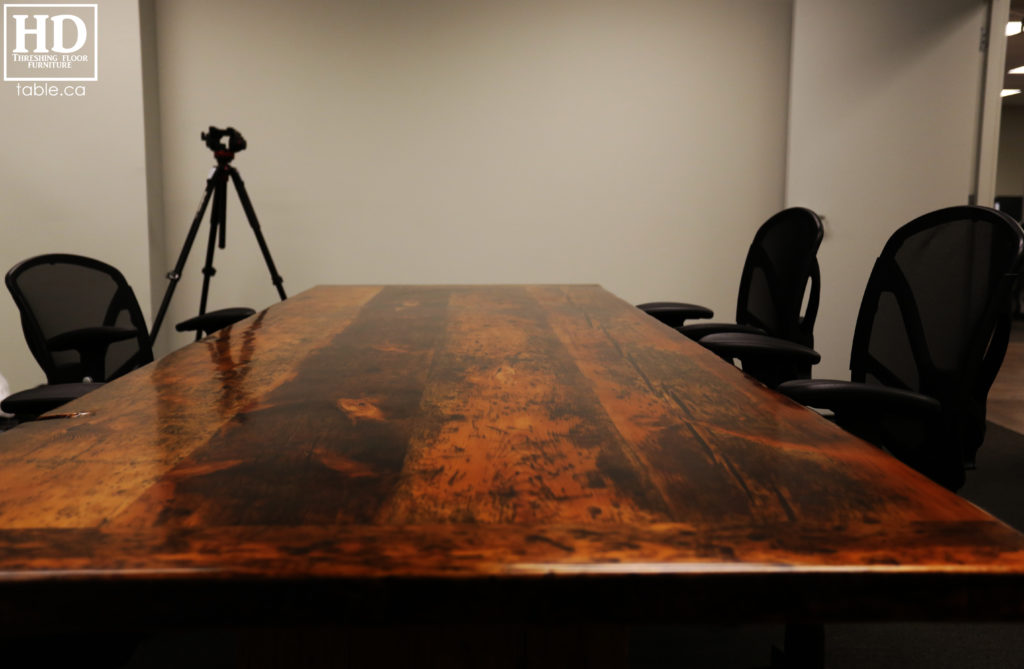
<point x="216" y="189"/>
<point x="215" y="136"/>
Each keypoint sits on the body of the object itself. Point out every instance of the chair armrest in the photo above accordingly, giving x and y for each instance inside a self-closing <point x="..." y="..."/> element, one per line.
<point x="745" y="346"/>
<point x="674" y="314"/>
<point x="90" y="339"/>
<point x="770" y="360"/>
<point x="91" y="344"/>
<point x="909" y="425"/>
<point x="212" y="321"/>
<point x="846" y="398"/>
<point x="697" y="331"/>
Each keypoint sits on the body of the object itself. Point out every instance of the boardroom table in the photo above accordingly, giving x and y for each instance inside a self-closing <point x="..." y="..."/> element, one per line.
<point x="377" y="455"/>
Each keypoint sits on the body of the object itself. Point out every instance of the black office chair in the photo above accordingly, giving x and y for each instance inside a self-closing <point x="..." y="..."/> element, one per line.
<point x="932" y="331"/>
<point x="780" y="262"/>
<point x="80" y="318"/>
<point x="780" y="269"/>
<point x="83" y="324"/>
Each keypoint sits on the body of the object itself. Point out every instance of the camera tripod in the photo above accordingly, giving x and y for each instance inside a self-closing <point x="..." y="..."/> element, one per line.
<point x="216" y="187"/>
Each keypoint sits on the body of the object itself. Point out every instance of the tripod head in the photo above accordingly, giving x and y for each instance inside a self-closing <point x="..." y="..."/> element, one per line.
<point x="215" y="142"/>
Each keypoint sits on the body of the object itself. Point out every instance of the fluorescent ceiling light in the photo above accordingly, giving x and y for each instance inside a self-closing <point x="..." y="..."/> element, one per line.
<point x="1008" y="92"/>
<point x="1013" y="28"/>
<point x="1016" y="70"/>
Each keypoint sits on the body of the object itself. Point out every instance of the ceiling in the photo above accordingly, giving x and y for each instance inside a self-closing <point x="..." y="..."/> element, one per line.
<point x="1015" y="58"/>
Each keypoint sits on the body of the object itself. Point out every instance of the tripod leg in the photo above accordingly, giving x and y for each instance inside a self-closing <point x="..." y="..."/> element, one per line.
<point x="175" y="274"/>
<point x="250" y="214"/>
<point x="218" y="220"/>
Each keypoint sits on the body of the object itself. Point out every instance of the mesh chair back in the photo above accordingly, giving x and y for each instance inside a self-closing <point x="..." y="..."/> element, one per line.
<point x="60" y="293"/>
<point x="935" y="319"/>
<point x="780" y="264"/>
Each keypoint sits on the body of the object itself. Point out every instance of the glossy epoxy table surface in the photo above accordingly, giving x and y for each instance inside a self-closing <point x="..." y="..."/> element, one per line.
<point x="472" y="453"/>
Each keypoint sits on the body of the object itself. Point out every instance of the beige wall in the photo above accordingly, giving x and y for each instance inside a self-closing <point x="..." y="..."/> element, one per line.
<point x="637" y="145"/>
<point x="73" y="175"/>
<point x="882" y="128"/>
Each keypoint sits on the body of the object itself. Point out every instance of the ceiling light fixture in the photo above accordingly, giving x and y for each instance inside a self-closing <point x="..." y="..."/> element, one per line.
<point x="1013" y="28"/>
<point x="1008" y="92"/>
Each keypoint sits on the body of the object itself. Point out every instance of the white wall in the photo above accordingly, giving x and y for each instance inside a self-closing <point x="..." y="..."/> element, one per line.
<point x="73" y="176"/>
<point x="637" y="145"/>
<point x="882" y="127"/>
<point x="634" y="144"/>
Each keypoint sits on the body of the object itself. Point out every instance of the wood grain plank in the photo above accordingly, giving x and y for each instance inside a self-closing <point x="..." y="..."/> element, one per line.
<point x="515" y="436"/>
<point x="84" y="472"/>
<point x="547" y="447"/>
<point x="325" y="447"/>
<point x="479" y="553"/>
<point x="722" y="448"/>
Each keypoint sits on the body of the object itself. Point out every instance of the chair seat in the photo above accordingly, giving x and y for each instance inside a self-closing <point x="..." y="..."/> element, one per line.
<point x="37" y="401"/>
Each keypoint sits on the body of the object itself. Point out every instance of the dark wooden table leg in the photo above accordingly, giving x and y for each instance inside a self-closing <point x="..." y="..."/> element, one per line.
<point x="804" y="647"/>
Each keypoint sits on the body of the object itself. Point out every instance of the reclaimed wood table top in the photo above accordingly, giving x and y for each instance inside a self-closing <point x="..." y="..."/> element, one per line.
<point x="473" y="453"/>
